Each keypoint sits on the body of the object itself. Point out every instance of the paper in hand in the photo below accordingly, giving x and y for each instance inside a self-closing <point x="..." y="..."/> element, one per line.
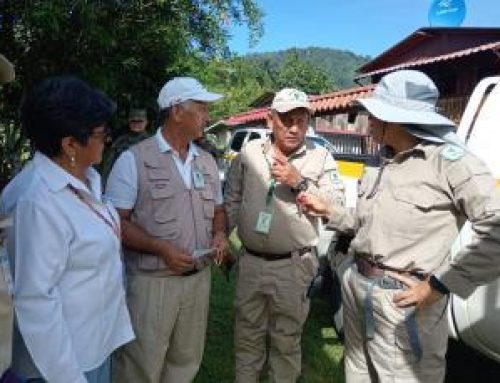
<point x="202" y="257"/>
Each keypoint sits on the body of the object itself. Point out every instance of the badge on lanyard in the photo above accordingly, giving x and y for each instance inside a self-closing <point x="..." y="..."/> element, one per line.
<point x="265" y="218"/>
<point x="264" y="222"/>
<point x="198" y="179"/>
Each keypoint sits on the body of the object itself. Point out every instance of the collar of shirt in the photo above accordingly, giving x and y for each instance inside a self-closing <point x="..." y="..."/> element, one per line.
<point x="57" y="178"/>
<point x="267" y="146"/>
<point x="165" y="147"/>
<point x="421" y="149"/>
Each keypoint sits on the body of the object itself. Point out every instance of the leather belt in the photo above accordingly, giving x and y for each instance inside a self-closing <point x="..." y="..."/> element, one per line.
<point x="373" y="269"/>
<point x="277" y="257"/>
<point x="190" y="272"/>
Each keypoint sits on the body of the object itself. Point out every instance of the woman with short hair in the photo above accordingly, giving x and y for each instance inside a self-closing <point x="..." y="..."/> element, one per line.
<point x="65" y="243"/>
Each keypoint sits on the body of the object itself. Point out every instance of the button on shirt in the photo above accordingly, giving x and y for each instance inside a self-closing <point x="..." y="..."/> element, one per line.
<point x="68" y="286"/>
<point x="121" y="186"/>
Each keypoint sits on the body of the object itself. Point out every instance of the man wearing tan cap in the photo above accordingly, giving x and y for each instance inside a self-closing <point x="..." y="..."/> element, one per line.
<point x="6" y="75"/>
<point x="279" y="260"/>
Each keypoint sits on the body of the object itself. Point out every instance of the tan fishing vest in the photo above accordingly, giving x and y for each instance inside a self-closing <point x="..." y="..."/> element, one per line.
<point x="165" y="208"/>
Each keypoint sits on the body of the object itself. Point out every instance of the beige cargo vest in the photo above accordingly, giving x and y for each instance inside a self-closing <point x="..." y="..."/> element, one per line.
<point x="166" y="209"/>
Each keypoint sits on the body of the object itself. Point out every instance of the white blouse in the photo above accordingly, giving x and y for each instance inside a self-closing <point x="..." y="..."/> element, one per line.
<point x="69" y="296"/>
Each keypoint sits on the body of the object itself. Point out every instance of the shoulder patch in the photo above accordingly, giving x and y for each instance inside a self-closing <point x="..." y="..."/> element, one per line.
<point x="452" y="152"/>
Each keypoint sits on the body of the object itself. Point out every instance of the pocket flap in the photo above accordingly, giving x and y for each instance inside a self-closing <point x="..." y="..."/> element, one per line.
<point x="161" y="190"/>
<point x="207" y="194"/>
<point x="157" y="173"/>
<point x="423" y="199"/>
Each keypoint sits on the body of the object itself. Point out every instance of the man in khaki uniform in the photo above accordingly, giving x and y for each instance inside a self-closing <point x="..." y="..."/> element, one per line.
<point x="137" y="123"/>
<point x="279" y="260"/>
<point x="408" y="216"/>
<point x="169" y="198"/>
<point x="6" y="313"/>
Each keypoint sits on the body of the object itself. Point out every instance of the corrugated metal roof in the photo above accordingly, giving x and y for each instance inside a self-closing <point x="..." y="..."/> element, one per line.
<point x="339" y="100"/>
<point x="429" y="60"/>
<point x="320" y="104"/>
<point x="250" y="116"/>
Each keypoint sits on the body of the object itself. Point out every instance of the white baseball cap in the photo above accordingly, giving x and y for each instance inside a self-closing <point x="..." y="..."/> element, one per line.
<point x="181" y="89"/>
<point x="287" y="99"/>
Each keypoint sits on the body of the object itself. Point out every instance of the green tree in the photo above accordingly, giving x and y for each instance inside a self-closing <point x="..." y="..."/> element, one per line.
<point x="127" y="48"/>
<point x="303" y="75"/>
<point x="239" y="80"/>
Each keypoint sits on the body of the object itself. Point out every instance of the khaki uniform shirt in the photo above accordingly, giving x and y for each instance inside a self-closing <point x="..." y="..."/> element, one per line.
<point x="247" y="187"/>
<point x="121" y="144"/>
<point x="410" y="212"/>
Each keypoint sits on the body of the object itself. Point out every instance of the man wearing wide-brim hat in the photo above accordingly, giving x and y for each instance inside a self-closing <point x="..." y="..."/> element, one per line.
<point x="6" y="312"/>
<point x="408" y="215"/>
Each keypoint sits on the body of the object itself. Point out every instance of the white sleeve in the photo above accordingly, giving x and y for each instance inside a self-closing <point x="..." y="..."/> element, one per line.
<point x="39" y="266"/>
<point x="121" y="187"/>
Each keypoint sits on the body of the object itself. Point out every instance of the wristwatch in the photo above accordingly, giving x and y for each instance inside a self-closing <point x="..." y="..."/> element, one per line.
<point x="437" y="285"/>
<point x="301" y="186"/>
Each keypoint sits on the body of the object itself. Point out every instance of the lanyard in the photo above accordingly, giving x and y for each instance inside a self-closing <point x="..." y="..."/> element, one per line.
<point x="112" y="224"/>
<point x="272" y="183"/>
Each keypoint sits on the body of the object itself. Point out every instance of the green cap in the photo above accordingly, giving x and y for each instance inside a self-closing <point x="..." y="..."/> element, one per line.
<point x="138" y="114"/>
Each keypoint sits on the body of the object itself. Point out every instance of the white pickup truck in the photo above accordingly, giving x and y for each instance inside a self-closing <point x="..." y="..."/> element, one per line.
<point x="476" y="320"/>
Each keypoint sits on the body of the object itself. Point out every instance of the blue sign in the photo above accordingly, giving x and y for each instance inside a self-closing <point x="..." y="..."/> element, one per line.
<point x="447" y="13"/>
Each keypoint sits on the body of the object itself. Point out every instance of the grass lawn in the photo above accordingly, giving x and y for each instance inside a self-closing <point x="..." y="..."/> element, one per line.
<point x="321" y="350"/>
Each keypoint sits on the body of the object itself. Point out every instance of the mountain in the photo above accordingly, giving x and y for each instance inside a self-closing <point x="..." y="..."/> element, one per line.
<point x="339" y="65"/>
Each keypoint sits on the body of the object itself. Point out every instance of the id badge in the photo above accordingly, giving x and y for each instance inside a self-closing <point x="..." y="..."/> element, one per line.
<point x="264" y="222"/>
<point x="198" y="179"/>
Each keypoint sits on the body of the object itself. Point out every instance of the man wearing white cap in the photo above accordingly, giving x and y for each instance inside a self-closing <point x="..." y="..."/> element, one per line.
<point x="408" y="215"/>
<point x="278" y="262"/>
<point x="6" y="75"/>
<point x="169" y="198"/>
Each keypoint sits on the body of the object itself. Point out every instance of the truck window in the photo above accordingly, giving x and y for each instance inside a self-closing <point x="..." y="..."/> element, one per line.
<point x="238" y="139"/>
<point x="253" y="136"/>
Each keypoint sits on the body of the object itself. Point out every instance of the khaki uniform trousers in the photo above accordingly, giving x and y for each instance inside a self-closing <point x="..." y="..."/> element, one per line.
<point x="169" y="317"/>
<point x="6" y="317"/>
<point x="388" y="357"/>
<point x="271" y="298"/>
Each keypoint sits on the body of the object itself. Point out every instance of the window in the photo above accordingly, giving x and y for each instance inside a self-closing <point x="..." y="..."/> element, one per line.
<point x="253" y="136"/>
<point x="237" y="142"/>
